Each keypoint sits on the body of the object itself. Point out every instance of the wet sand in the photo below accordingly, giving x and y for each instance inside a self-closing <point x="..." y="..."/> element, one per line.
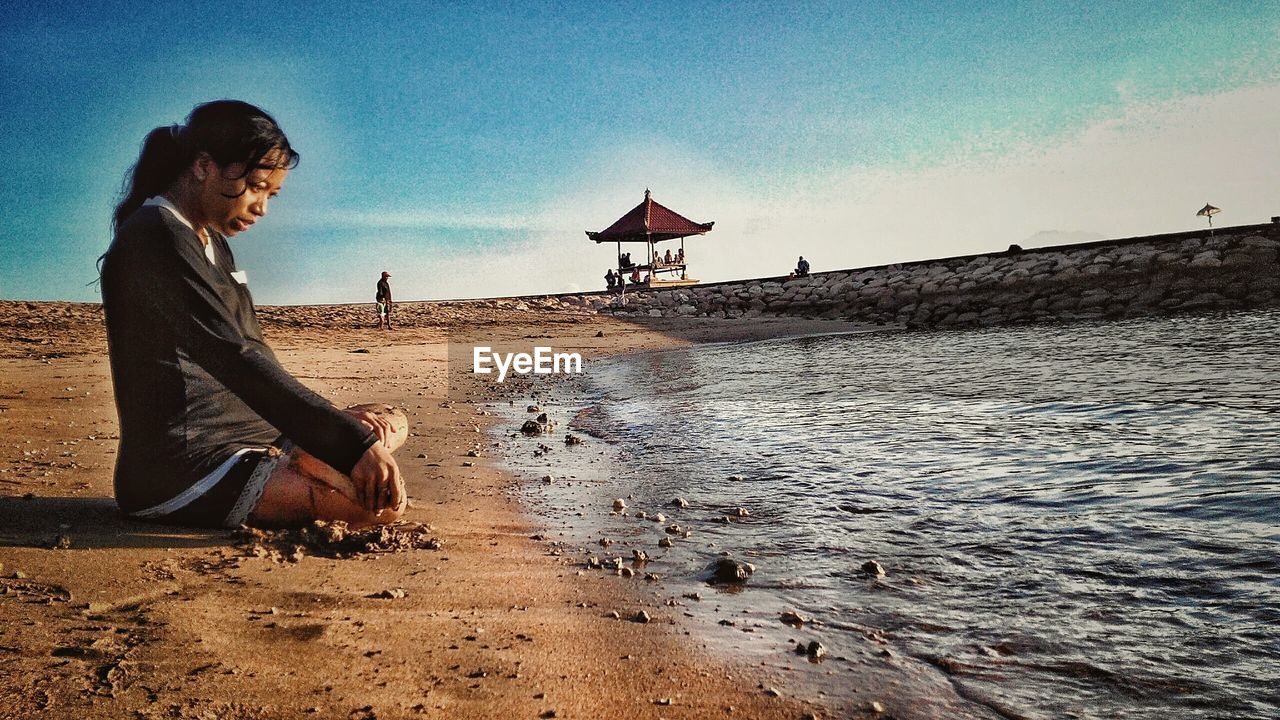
<point x="101" y="617"/>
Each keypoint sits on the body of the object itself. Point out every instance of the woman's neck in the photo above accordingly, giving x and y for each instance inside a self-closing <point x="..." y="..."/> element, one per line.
<point x="188" y="203"/>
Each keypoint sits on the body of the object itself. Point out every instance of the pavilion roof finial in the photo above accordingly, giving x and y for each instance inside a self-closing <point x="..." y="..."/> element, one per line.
<point x="646" y="193"/>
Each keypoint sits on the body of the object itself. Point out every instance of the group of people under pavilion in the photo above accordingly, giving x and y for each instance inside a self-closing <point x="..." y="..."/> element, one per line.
<point x="649" y="223"/>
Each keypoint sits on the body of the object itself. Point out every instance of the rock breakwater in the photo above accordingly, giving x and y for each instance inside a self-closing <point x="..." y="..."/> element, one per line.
<point x="1235" y="268"/>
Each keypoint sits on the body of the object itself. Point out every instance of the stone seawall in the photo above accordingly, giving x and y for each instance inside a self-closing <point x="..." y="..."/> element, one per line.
<point x="1234" y="268"/>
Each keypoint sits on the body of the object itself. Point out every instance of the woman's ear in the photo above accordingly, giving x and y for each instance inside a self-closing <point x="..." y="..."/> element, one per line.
<point x="202" y="167"/>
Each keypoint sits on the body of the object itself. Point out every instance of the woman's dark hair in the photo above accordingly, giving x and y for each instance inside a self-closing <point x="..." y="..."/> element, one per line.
<point x="230" y="131"/>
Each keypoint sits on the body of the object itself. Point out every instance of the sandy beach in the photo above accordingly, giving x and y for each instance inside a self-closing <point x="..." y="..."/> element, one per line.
<point x="101" y="617"/>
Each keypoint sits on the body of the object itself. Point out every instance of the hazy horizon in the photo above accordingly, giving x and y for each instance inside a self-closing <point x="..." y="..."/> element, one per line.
<point x="467" y="149"/>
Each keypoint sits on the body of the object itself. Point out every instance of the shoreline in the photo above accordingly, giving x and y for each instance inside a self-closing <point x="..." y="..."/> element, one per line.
<point x="742" y="622"/>
<point x="160" y="621"/>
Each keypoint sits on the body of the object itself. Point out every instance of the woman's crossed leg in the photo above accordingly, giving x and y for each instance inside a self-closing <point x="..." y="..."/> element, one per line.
<point x="305" y="489"/>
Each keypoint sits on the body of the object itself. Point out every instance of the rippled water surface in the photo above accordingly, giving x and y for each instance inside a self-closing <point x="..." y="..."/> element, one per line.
<point x="1077" y="521"/>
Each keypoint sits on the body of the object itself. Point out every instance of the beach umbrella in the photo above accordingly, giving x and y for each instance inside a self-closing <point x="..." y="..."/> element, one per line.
<point x="1209" y="211"/>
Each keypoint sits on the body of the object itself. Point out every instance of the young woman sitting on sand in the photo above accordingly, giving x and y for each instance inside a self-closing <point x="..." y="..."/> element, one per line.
<point x="213" y="431"/>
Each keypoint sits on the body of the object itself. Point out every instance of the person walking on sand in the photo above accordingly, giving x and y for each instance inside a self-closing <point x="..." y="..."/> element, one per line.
<point x="213" y="431"/>
<point x="383" y="299"/>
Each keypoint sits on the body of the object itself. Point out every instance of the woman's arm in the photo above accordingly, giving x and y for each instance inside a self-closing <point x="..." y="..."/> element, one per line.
<point x="169" y="277"/>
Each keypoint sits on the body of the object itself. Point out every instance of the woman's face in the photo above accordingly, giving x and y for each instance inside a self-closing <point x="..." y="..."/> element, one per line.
<point x="248" y="195"/>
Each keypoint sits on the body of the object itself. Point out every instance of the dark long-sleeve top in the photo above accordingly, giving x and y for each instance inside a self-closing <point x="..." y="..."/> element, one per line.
<point x="384" y="290"/>
<point x="194" y="380"/>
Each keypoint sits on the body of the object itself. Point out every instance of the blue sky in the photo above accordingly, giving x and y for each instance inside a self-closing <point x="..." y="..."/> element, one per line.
<point x="467" y="146"/>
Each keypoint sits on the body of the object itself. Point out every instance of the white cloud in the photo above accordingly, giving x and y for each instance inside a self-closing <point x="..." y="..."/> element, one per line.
<point x="427" y="220"/>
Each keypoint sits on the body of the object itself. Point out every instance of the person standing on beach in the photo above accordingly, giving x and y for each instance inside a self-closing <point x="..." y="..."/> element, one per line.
<point x="383" y="298"/>
<point x="213" y="431"/>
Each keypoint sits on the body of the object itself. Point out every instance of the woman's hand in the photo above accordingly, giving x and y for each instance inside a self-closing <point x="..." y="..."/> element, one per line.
<point x="381" y="426"/>
<point x="377" y="479"/>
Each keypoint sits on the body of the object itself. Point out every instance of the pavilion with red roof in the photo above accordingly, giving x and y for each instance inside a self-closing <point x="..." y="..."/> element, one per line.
<point x="651" y="223"/>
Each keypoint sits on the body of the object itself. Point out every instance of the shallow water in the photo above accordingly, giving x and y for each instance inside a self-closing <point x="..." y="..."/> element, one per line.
<point x="1077" y="520"/>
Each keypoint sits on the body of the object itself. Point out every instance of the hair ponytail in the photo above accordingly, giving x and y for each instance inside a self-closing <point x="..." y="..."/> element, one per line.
<point x="164" y="156"/>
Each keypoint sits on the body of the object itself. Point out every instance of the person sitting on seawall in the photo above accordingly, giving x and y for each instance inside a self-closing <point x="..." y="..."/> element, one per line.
<point x="213" y="431"/>
<point x="610" y="280"/>
<point x="802" y="267"/>
<point x="635" y="275"/>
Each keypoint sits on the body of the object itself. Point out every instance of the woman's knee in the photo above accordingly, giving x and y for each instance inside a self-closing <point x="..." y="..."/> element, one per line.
<point x="393" y="415"/>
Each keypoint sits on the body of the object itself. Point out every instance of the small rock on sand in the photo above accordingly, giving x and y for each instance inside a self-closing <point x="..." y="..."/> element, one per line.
<point x="571" y="439"/>
<point x="873" y="568"/>
<point x="728" y="570"/>
<point x="547" y="479"/>
<point x="388" y="594"/>
<point x="642" y="617"/>
<point x="619" y="505"/>
<point x="793" y="618"/>
<point x="531" y="427"/>
<point x="665" y="542"/>
<point x="680" y="503"/>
